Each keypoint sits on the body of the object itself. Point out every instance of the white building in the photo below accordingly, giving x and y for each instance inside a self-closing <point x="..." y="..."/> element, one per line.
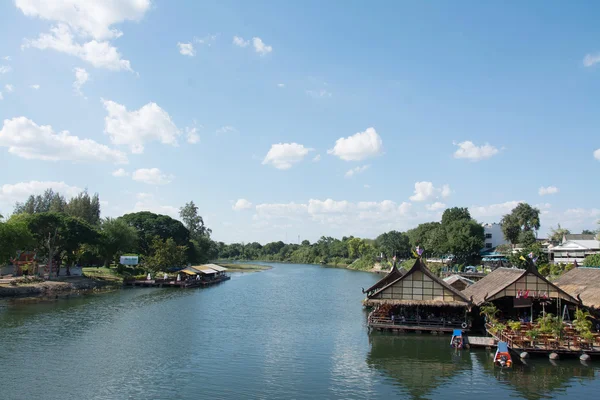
<point x="570" y="251"/>
<point x="493" y="236"/>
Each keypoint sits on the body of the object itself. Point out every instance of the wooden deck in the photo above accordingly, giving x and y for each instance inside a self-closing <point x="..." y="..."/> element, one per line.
<point x="161" y="283"/>
<point x="481" y="341"/>
<point x="386" y="324"/>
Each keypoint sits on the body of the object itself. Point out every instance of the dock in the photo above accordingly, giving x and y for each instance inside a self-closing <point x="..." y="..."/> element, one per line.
<point x="481" y="341"/>
<point x="183" y="284"/>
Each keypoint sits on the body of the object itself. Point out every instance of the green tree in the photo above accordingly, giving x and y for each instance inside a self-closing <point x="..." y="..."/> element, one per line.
<point x="116" y="238"/>
<point x="393" y="243"/>
<point x="85" y="207"/>
<point x="556" y="235"/>
<point x="49" y="201"/>
<point x="424" y="235"/>
<point x="523" y="218"/>
<point x="149" y="225"/>
<point x="587" y="232"/>
<point x="464" y="239"/>
<point x="14" y="237"/>
<point x="455" y="214"/>
<point x="592" y="261"/>
<point x="193" y="221"/>
<point x="526" y="238"/>
<point x="165" y="254"/>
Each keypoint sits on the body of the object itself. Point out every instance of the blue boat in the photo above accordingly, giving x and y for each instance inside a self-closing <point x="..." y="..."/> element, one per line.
<point x="457" y="339"/>
<point x="502" y="357"/>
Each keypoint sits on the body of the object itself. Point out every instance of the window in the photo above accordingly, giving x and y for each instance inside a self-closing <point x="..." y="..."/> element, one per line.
<point x="488" y="245"/>
<point x="488" y="235"/>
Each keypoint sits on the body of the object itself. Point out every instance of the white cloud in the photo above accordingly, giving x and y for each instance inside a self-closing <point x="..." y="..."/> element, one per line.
<point x="192" y="135"/>
<point x="425" y="191"/>
<point x="583" y="212"/>
<point x="7" y="58"/>
<point x="186" y="49"/>
<point x="99" y="54"/>
<point x="240" y="42"/>
<point x="147" y="202"/>
<point x="9" y="88"/>
<point x="260" y="47"/>
<point x="591" y="59"/>
<point x="81" y="77"/>
<point x="543" y="191"/>
<point x="88" y="18"/>
<point x="120" y="173"/>
<point x="316" y="158"/>
<point x="26" y="139"/>
<point x="329" y="206"/>
<point x="494" y="210"/>
<point x="281" y="85"/>
<point x="359" y="146"/>
<point x="284" y="155"/>
<point x="11" y="193"/>
<point x="319" y="93"/>
<point x="151" y="176"/>
<point x="357" y="170"/>
<point x="242" y="204"/>
<point x="597" y="154"/>
<point x="470" y="151"/>
<point x="206" y="40"/>
<point x="435" y="206"/>
<point x="35" y="87"/>
<point x="4" y="69"/>
<point x="134" y="128"/>
<point x="225" y="129"/>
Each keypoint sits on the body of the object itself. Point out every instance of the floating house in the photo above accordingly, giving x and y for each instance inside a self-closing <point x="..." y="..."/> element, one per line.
<point x="520" y="293"/>
<point x="417" y="300"/>
<point x="584" y="284"/>
<point x="193" y="276"/>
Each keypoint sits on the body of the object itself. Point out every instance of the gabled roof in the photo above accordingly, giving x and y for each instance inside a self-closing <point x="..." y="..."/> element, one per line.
<point x="502" y="278"/>
<point x="419" y="266"/>
<point x="394" y="274"/>
<point x="578" y="245"/>
<point x="583" y="283"/>
<point x="579" y="236"/>
<point x="453" y="278"/>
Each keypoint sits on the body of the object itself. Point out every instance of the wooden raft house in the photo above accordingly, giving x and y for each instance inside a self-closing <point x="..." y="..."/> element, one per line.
<point x="189" y="277"/>
<point x="583" y="283"/>
<point x="416" y="300"/>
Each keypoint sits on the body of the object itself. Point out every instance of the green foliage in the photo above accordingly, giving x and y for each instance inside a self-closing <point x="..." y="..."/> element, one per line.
<point x="544" y="269"/>
<point x="533" y="334"/>
<point x="514" y="325"/>
<point x="116" y="238"/>
<point x="14" y="236"/>
<point x="453" y="214"/>
<point x="85" y="207"/>
<point x="149" y="225"/>
<point x="393" y="243"/>
<point x="50" y="201"/>
<point x="464" y="239"/>
<point x="165" y="254"/>
<point x="526" y="238"/>
<point x="592" y="261"/>
<point x="551" y="324"/>
<point x="490" y="311"/>
<point x="523" y="218"/>
<point x="193" y="221"/>
<point x="582" y="322"/>
<point x="556" y="235"/>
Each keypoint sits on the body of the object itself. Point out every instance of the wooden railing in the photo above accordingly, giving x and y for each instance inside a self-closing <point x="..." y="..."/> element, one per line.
<point x="570" y="340"/>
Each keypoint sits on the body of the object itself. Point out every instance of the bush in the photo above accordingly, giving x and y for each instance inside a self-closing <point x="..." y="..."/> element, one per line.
<point x="592" y="261"/>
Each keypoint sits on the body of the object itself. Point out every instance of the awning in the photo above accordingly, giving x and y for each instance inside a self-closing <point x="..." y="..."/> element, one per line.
<point x="189" y="271"/>
<point x="215" y="267"/>
<point x="203" y="270"/>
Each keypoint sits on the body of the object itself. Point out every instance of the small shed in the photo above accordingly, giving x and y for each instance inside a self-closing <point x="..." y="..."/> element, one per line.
<point x="458" y="282"/>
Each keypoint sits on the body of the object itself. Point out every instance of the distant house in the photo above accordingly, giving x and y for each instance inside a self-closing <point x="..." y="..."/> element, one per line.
<point x="494" y="236"/>
<point x="570" y="251"/>
<point x="458" y="282"/>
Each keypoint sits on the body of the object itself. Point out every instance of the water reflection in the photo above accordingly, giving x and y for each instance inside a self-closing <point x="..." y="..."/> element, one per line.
<point x="418" y="364"/>
<point x="539" y="378"/>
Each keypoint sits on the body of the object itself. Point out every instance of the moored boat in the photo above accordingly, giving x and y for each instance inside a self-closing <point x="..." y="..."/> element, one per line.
<point x="502" y="357"/>
<point x="457" y="339"/>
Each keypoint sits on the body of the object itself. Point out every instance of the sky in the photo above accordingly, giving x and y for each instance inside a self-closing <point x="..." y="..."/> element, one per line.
<point x="296" y="120"/>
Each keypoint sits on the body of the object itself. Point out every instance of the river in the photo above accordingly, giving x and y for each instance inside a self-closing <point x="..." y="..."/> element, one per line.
<point x="291" y="332"/>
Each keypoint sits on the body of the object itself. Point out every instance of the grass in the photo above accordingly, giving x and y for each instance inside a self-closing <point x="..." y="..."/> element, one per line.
<point x="101" y="273"/>
<point x="245" y="267"/>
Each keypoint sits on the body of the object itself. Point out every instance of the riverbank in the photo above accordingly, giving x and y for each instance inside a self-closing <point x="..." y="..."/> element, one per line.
<point x="244" y="267"/>
<point x="63" y="285"/>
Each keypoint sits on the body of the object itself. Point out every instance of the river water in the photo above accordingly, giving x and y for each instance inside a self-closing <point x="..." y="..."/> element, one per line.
<point x="292" y="332"/>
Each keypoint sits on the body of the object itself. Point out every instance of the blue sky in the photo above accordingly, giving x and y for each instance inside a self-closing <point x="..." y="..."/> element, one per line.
<point x="438" y="105"/>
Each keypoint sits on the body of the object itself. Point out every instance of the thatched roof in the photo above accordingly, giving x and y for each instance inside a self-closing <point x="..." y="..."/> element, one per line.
<point x="501" y="279"/>
<point x="583" y="283"/>
<point x="394" y="274"/>
<point x="459" y="299"/>
<point x="401" y="302"/>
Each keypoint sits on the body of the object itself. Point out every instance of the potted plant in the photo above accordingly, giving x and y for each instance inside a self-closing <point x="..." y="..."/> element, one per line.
<point x="533" y="334"/>
<point x="514" y="325"/>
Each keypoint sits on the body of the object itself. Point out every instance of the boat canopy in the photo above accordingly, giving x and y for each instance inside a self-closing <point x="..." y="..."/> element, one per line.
<point x="502" y="347"/>
<point x="457" y="332"/>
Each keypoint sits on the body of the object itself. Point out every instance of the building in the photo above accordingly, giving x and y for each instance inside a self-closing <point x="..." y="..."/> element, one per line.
<point x="571" y="251"/>
<point x="493" y="236"/>
<point x="582" y="283"/>
<point x="416" y="300"/>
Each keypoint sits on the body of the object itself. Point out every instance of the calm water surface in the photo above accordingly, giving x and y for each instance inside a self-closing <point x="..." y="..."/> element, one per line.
<point x="293" y="332"/>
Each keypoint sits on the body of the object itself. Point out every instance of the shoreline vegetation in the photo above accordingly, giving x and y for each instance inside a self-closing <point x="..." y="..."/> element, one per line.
<point x="244" y="267"/>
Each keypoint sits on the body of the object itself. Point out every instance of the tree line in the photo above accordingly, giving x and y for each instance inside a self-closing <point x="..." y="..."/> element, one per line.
<point x="73" y="232"/>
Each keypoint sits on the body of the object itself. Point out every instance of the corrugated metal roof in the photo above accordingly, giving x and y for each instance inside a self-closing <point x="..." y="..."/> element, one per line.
<point x="215" y="267"/>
